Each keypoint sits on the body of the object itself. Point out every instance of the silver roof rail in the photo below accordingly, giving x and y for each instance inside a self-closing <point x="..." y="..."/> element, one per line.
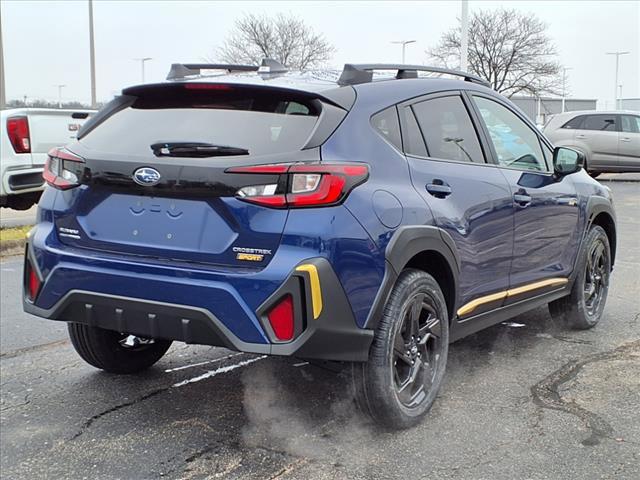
<point x="354" y="74"/>
<point x="180" y="71"/>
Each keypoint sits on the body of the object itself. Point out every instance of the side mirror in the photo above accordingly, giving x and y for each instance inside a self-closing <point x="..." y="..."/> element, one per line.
<point x="567" y="160"/>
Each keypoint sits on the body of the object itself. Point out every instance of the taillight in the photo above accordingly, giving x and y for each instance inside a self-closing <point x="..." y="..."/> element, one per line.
<point x="18" y="132"/>
<point x="281" y="318"/>
<point x="307" y="185"/>
<point x="32" y="282"/>
<point x="63" y="169"/>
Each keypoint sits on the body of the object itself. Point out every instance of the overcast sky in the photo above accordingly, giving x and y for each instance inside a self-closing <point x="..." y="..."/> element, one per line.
<point x="46" y="43"/>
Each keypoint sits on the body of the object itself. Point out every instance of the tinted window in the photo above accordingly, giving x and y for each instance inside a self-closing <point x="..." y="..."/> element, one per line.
<point x="574" y="122"/>
<point x="630" y="123"/>
<point x="605" y="123"/>
<point x="413" y="141"/>
<point x="447" y="129"/>
<point x="386" y="122"/>
<point x="263" y="123"/>
<point x="516" y="144"/>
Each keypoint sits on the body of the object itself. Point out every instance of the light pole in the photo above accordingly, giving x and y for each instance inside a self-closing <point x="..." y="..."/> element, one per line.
<point x="92" y="56"/>
<point x="404" y="44"/>
<point x="619" y="104"/>
<point x="615" y="85"/>
<point x="564" y="86"/>
<point x="464" y="36"/>
<point x="3" y="98"/>
<point x="60" y="87"/>
<point x="142" y="60"/>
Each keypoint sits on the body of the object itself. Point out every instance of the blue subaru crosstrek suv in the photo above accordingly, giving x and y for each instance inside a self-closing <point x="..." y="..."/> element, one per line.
<point x="371" y="217"/>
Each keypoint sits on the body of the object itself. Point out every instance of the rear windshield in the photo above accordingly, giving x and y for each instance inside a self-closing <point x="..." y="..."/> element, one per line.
<point x="260" y="122"/>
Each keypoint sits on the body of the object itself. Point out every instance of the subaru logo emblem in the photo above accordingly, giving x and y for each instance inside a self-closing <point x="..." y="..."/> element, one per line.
<point x="146" y="176"/>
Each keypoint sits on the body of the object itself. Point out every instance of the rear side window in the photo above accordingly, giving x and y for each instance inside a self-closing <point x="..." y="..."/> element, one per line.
<point x="574" y="122"/>
<point x="603" y="123"/>
<point x="264" y="122"/>
<point x="630" y="123"/>
<point x="413" y="141"/>
<point x="447" y="129"/>
<point x="386" y="122"/>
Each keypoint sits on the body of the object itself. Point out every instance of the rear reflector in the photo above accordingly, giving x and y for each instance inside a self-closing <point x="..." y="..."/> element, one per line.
<point x="18" y="132"/>
<point x="33" y="282"/>
<point x="281" y="318"/>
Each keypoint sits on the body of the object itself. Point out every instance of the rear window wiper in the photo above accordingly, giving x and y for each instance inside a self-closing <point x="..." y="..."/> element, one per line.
<point x="195" y="149"/>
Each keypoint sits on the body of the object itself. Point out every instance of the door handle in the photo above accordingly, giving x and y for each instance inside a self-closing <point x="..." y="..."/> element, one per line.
<point x="581" y="136"/>
<point x="625" y="139"/>
<point x="438" y="188"/>
<point x="522" y="198"/>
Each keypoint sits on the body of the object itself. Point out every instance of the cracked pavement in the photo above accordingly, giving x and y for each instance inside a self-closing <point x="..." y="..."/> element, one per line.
<point x="536" y="401"/>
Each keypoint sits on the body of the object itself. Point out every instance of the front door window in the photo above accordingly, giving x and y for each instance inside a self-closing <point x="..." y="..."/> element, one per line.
<point x="516" y="144"/>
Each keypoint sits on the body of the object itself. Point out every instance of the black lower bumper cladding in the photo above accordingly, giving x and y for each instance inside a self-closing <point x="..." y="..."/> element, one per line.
<point x="334" y="335"/>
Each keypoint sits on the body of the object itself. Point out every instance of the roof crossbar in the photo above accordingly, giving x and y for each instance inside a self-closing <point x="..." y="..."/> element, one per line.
<point x="181" y="70"/>
<point x="353" y="74"/>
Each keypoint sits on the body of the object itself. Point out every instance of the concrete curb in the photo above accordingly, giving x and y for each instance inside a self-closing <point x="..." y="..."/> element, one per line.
<point x="12" y="247"/>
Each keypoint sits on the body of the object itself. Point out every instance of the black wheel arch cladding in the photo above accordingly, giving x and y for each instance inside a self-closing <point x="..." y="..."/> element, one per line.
<point x="407" y="243"/>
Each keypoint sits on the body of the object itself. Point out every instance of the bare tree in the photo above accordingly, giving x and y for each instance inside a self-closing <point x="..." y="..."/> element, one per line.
<point x="284" y="38"/>
<point x="509" y="49"/>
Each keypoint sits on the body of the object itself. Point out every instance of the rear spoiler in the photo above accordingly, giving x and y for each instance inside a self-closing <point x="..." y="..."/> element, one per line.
<point x="339" y="97"/>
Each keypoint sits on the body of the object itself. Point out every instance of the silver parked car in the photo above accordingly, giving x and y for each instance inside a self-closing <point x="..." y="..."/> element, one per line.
<point x="610" y="141"/>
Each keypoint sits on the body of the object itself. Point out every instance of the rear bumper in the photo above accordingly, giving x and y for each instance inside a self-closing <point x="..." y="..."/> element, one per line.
<point x="19" y="179"/>
<point x="200" y="307"/>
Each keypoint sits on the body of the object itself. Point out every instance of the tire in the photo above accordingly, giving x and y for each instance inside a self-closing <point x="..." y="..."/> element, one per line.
<point x="381" y="388"/>
<point x="591" y="173"/>
<point x="105" y="349"/>
<point x="23" y="201"/>
<point x="583" y="307"/>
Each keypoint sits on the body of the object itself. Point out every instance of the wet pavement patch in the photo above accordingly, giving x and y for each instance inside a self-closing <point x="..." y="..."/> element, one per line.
<point x="548" y="393"/>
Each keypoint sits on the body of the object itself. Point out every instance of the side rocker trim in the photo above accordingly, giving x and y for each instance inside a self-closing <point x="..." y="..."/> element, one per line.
<point x="470" y="307"/>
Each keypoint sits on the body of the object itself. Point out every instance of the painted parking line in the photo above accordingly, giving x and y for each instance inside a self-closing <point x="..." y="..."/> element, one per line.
<point x="217" y="371"/>
<point x="215" y="360"/>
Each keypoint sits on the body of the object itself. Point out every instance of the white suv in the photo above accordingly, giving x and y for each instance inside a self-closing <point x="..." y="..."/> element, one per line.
<point x="610" y="141"/>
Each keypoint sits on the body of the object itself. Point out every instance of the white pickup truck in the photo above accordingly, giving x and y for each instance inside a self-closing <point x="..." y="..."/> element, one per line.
<point x="27" y="134"/>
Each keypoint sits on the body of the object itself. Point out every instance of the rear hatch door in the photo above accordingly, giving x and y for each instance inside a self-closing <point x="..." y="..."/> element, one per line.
<point x="155" y="183"/>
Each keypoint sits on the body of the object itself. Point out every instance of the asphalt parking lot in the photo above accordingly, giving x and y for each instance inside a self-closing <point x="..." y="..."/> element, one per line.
<point x="523" y="399"/>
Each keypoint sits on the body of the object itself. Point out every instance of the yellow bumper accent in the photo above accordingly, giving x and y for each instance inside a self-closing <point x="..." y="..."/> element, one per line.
<point x="316" y="293"/>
